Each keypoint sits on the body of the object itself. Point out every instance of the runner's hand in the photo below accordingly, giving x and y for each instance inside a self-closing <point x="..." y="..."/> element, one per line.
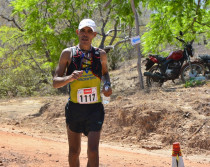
<point x="76" y="74"/>
<point x="107" y="90"/>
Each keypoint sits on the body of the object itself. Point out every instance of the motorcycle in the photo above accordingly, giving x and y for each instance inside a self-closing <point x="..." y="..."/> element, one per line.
<point x="161" y="69"/>
<point x="204" y="60"/>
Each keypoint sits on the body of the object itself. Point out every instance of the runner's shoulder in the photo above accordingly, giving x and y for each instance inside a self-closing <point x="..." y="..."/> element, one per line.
<point x="66" y="53"/>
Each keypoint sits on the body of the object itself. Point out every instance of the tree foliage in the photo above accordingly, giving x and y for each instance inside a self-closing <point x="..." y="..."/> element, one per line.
<point x="192" y="17"/>
<point x="49" y="25"/>
<point x="31" y="46"/>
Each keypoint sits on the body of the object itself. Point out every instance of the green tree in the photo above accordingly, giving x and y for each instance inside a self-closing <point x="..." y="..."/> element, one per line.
<point x="49" y="25"/>
<point x="169" y="17"/>
<point x="31" y="46"/>
<point x="127" y="11"/>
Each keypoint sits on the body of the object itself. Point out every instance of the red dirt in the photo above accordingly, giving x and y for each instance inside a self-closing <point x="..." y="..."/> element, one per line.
<point x="19" y="150"/>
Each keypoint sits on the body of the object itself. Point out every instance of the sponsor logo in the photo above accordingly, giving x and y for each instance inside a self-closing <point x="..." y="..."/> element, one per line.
<point x="88" y="91"/>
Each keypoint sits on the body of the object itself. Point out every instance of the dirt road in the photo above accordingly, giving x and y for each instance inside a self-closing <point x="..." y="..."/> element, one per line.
<point x="19" y="150"/>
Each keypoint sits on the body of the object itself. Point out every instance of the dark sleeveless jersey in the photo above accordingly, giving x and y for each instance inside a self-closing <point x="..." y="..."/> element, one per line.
<point x="76" y="62"/>
<point x="86" y="89"/>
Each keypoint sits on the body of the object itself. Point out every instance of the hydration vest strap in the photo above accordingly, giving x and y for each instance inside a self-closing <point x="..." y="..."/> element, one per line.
<point x="73" y="51"/>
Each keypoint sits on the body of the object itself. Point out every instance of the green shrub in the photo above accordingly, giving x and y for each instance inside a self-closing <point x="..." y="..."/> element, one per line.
<point x="193" y="82"/>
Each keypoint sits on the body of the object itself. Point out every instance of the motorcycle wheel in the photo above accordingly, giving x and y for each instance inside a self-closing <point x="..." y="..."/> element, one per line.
<point x="186" y="74"/>
<point x="152" y="82"/>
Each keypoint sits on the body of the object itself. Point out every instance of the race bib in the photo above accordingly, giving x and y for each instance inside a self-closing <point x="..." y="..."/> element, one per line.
<point x="87" y="95"/>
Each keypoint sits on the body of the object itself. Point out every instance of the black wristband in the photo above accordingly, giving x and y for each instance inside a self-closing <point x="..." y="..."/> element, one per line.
<point x="107" y="83"/>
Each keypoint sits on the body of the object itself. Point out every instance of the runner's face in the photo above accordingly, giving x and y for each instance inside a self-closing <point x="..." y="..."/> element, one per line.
<point x="86" y="35"/>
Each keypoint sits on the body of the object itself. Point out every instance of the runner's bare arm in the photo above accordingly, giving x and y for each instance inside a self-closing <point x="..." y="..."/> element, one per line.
<point x="59" y="80"/>
<point x="105" y="73"/>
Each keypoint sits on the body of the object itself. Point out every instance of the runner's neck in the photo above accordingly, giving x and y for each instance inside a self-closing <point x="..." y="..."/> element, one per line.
<point x="85" y="49"/>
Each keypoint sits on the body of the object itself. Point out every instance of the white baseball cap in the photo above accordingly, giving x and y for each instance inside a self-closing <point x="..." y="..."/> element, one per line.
<point x="87" y="23"/>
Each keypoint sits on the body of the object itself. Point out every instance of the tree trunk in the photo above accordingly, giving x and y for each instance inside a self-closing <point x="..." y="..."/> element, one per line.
<point x="138" y="46"/>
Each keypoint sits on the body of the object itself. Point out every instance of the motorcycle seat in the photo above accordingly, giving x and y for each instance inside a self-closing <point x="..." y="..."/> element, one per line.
<point x="160" y="58"/>
<point x="205" y="57"/>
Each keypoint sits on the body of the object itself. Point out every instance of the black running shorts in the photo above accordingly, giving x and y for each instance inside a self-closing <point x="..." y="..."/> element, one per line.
<point x="83" y="118"/>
